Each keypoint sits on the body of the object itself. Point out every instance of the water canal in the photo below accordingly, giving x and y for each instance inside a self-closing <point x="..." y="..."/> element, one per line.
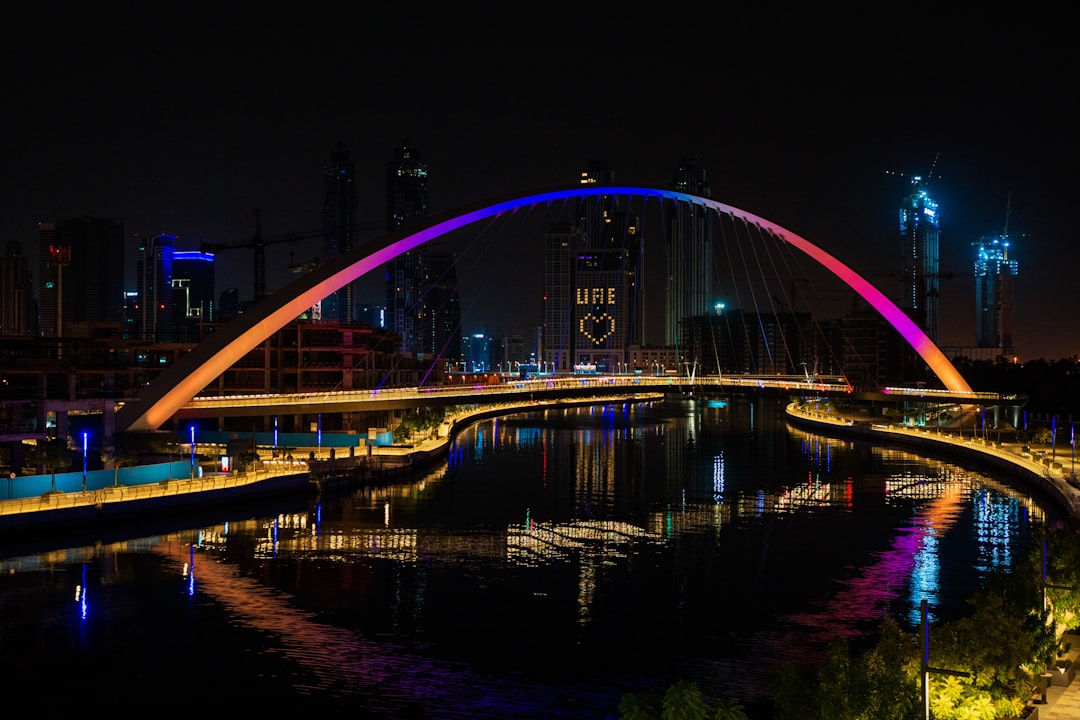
<point x="556" y="560"/>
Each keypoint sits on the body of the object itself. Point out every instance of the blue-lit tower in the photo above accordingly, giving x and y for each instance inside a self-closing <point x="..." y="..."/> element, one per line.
<point x="995" y="275"/>
<point x="193" y="293"/>
<point x="919" y="240"/>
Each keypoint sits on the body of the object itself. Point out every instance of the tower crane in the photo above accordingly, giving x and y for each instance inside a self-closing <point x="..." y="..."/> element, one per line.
<point x="258" y="244"/>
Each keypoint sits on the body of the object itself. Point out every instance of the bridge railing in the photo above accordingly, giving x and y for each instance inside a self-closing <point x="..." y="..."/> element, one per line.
<point x="469" y="391"/>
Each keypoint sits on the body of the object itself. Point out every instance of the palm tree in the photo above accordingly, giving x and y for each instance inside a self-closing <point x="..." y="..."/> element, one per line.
<point x="728" y="709"/>
<point x="684" y="701"/>
<point x="638" y="707"/>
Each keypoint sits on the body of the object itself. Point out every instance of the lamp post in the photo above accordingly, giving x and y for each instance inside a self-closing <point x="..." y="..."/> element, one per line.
<point x="85" y="441"/>
<point x="192" y="452"/>
<point x="925" y="661"/>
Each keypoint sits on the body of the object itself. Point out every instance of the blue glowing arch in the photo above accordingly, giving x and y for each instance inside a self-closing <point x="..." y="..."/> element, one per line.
<point x="182" y="380"/>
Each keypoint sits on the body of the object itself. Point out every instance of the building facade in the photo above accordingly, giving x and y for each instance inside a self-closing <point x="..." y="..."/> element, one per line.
<point x="995" y="278"/>
<point x="690" y="241"/>
<point x="406" y="203"/>
<point x="153" y="316"/>
<point x="339" y="229"/>
<point x="81" y="273"/>
<point x="18" y="308"/>
<point x="193" y="293"/>
<point x="920" y="232"/>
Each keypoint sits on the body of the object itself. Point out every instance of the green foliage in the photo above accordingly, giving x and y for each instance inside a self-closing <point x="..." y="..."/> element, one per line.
<point x="728" y="709"/>
<point x="247" y="461"/>
<point x="793" y="694"/>
<point x="682" y="701"/>
<point x="639" y="707"/>
<point x="50" y="455"/>
<point x="418" y="422"/>
<point x="1003" y="644"/>
<point x="1034" y="435"/>
<point x="1063" y="576"/>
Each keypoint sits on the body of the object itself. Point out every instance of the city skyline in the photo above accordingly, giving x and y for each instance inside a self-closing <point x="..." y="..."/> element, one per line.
<point x="191" y="141"/>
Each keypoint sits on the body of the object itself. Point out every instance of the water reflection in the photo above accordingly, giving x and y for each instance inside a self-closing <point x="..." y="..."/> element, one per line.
<point x="556" y="560"/>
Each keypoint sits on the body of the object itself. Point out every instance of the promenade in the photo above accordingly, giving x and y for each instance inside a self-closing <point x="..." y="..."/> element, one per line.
<point x="274" y="476"/>
<point x="1052" y="475"/>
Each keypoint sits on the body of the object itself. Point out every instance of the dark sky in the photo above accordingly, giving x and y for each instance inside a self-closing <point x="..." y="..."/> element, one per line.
<point x="185" y="122"/>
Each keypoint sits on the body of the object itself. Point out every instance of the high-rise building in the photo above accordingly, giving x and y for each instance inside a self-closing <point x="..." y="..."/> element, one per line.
<point x="18" y="309"/>
<point x="81" y="273"/>
<point x="193" y="293"/>
<point x="153" y="316"/>
<point x="919" y="241"/>
<point x="439" y="316"/>
<point x="995" y="275"/>
<point x="406" y="203"/>
<point x="690" y="266"/>
<point x="339" y="228"/>
<point x="593" y="304"/>
<point x="562" y="242"/>
<point x="591" y="307"/>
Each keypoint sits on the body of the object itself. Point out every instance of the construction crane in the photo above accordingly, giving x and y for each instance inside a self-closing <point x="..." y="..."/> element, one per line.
<point x="258" y="244"/>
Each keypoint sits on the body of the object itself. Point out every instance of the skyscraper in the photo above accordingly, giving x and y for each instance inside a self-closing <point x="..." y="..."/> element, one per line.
<point x="690" y="266"/>
<point x="995" y="273"/>
<point x="81" y="269"/>
<point x="339" y="228"/>
<point x="439" y="318"/>
<point x="406" y="202"/>
<point x="561" y="243"/>
<point x="919" y="242"/>
<point x="592" y="268"/>
<point x="193" y="293"/>
<point x="153" y="317"/>
<point x="18" y="310"/>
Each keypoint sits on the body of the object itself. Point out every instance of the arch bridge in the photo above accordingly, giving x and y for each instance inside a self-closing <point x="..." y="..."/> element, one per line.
<point x="178" y="385"/>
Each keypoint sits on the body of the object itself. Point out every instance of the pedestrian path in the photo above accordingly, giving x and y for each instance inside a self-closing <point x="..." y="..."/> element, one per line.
<point x="1063" y="701"/>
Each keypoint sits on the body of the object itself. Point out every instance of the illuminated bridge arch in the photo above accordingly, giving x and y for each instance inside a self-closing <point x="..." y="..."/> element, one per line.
<point x="186" y="377"/>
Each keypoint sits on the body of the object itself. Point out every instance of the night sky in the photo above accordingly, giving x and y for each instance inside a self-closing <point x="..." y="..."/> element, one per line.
<point x="187" y="122"/>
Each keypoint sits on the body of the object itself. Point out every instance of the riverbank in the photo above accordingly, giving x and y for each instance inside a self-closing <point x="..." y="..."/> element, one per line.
<point x="275" y="477"/>
<point x="1050" y="478"/>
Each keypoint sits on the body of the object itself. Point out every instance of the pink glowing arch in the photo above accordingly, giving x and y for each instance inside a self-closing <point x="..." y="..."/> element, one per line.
<point x="182" y="380"/>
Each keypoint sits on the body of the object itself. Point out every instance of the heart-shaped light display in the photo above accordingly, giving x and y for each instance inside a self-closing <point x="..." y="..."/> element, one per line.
<point x="597" y="328"/>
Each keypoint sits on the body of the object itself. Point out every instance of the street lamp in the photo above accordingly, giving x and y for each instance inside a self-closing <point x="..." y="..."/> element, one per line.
<point x="85" y="441"/>
<point x="192" y="452"/>
<point x="926" y="669"/>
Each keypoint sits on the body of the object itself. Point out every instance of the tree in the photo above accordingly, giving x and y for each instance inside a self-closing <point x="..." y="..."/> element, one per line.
<point x="684" y="701"/>
<point x="638" y="707"/>
<point x="728" y="709"/>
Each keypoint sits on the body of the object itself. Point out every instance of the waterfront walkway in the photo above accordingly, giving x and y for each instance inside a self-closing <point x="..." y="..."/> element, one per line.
<point x="1051" y="474"/>
<point x="273" y="474"/>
